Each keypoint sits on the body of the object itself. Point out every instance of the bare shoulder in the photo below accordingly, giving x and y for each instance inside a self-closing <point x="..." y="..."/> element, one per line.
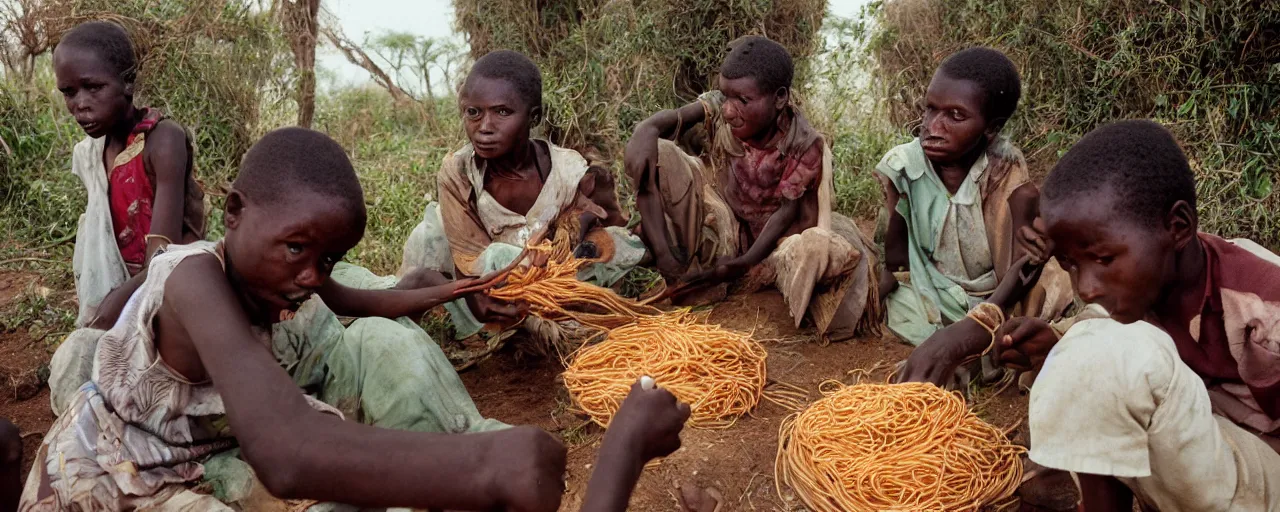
<point x="193" y="278"/>
<point x="167" y="149"/>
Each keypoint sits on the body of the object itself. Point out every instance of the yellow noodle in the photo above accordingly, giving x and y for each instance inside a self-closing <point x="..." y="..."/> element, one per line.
<point x="913" y="446"/>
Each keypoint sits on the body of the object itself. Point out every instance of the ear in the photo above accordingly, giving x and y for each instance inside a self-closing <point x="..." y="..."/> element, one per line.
<point x="1183" y="224"/>
<point x="234" y="212"/>
<point x="535" y="115"/>
<point x="995" y="127"/>
<point x="782" y="98"/>
<point x="128" y="89"/>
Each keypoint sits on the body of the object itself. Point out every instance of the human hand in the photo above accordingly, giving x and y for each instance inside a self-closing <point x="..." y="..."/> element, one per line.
<point x="649" y="422"/>
<point x="1017" y="282"/>
<point x="1034" y="242"/>
<point x="495" y="311"/>
<point x="936" y="360"/>
<point x="528" y="467"/>
<point x="725" y="269"/>
<point x="1024" y="342"/>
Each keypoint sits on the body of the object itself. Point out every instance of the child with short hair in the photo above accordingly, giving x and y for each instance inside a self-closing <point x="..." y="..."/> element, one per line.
<point x="758" y="204"/>
<point x="190" y="372"/>
<point x="1175" y="399"/>
<point x="505" y="187"/>
<point x="136" y="166"/>
<point x="956" y="195"/>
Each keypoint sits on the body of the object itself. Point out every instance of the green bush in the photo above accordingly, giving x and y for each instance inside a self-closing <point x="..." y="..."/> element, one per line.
<point x="1208" y="70"/>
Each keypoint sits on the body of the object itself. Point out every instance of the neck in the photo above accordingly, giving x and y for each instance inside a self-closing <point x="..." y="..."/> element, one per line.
<point x="120" y="132"/>
<point x="513" y="162"/>
<point x="1190" y="270"/>
<point x="964" y="163"/>
<point x="258" y="315"/>
<point x="776" y="130"/>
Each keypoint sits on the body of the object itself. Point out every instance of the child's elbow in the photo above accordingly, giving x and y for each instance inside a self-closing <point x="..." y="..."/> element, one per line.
<point x="277" y="466"/>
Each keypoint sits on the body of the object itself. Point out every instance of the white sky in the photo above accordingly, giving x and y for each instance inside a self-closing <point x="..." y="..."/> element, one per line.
<point x="431" y="18"/>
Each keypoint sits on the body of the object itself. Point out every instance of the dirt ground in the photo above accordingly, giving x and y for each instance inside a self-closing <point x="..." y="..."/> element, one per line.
<point x="738" y="461"/>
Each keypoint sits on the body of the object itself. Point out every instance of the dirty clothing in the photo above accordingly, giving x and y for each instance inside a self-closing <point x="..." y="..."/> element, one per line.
<point x="378" y="371"/>
<point x="111" y="236"/>
<point x="469" y="233"/>
<point x="715" y="208"/>
<point x="1117" y="400"/>
<point x="960" y="246"/>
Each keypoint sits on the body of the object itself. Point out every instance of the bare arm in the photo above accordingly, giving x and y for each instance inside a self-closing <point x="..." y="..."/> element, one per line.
<point x="166" y="155"/>
<point x="394" y="303"/>
<point x="301" y="453"/>
<point x="641" y="161"/>
<point x="1104" y="494"/>
<point x="895" y="239"/>
<point x="1024" y="207"/>
<point x="647" y="426"/>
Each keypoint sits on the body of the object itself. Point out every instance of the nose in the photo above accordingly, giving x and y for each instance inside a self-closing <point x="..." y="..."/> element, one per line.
<point x="486" y="124"/>
<point x="933" y="124"/>
<point x="77" y="103"/>
<point x="1088" y="286"/>
<point x="729" y="111"/>
<point x="311" y="278"/>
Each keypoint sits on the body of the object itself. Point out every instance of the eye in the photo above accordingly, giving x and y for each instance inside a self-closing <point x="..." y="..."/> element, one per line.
<point x="505" y="112"/>
<point x="1104" y="260"/>
<point x="472" y="112"/>
<point x="93" y="87"/>
<point x="330" y="260"/>
<point x="67" y="92"/>
<point x="744" y="100"/>
<point x="957" y="115"/>
<point x="294" y="248"/>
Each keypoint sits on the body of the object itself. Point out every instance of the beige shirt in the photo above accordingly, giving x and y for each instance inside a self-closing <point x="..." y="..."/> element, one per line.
<point x="1116" y="400"/>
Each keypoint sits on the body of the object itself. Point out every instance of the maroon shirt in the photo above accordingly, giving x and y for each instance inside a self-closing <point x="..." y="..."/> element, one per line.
<point x="1233" y="341"/>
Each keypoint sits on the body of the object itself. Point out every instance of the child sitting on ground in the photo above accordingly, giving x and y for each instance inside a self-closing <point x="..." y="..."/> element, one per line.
<point x="955" y="196"/>
<point x="504" y="188"/>
<point x="1173" y="399"/>
<point x="136" y="168"/>
<point x="758" y="203"/>
<point x="190" y="372"/>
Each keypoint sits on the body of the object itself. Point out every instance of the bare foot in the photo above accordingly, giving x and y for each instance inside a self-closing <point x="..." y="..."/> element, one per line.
<point x="696" y="499"/>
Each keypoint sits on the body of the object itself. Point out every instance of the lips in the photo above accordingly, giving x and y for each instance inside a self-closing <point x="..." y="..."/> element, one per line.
<point x="88" y="126"/>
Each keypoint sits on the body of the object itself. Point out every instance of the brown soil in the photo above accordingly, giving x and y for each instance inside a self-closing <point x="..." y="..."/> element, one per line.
<point x="737" y="461"/>
<point x="24" y="398"/>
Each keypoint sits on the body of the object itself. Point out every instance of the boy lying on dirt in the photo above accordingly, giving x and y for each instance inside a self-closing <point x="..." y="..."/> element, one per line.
<point x="759" y="203"/>
<point x="504" y="187"/>
<point x="136" y="168"/>
<point x="189" y="372"/>
<point x="955" y="197"/>
<point x="1173" y="399"/>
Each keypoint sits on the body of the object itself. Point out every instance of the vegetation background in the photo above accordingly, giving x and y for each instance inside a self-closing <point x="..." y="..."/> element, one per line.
<point x="232" y="70"/>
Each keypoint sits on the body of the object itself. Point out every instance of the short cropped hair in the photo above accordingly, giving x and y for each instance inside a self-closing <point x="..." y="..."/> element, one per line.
<point x="515" y="68"/>
<point x="762" y="59"/>
<point x="111" y="41"/>
<point x="290" y="159"/>
<point x="1138" y="160"/>
<point x="994" y="73"/>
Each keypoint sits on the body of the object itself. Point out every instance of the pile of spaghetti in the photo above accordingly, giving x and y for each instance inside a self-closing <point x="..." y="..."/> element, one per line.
<point x="720" y="373"/>
<point x="872" y="447"/>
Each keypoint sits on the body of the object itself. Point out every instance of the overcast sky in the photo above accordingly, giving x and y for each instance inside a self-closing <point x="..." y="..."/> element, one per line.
<point x="431" y="18"/>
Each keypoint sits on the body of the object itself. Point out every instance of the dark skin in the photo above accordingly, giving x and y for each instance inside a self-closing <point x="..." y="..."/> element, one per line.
<point x="937" y="359"/>
<point x="755" y="117"/>
<point x="276" y="255"/>
<point x="10" y="466"/>
<point x="955" y="131"/>
<point x="498" y="122"/>
<point x="646" y="427"/>
<point x="102" y="104"/>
